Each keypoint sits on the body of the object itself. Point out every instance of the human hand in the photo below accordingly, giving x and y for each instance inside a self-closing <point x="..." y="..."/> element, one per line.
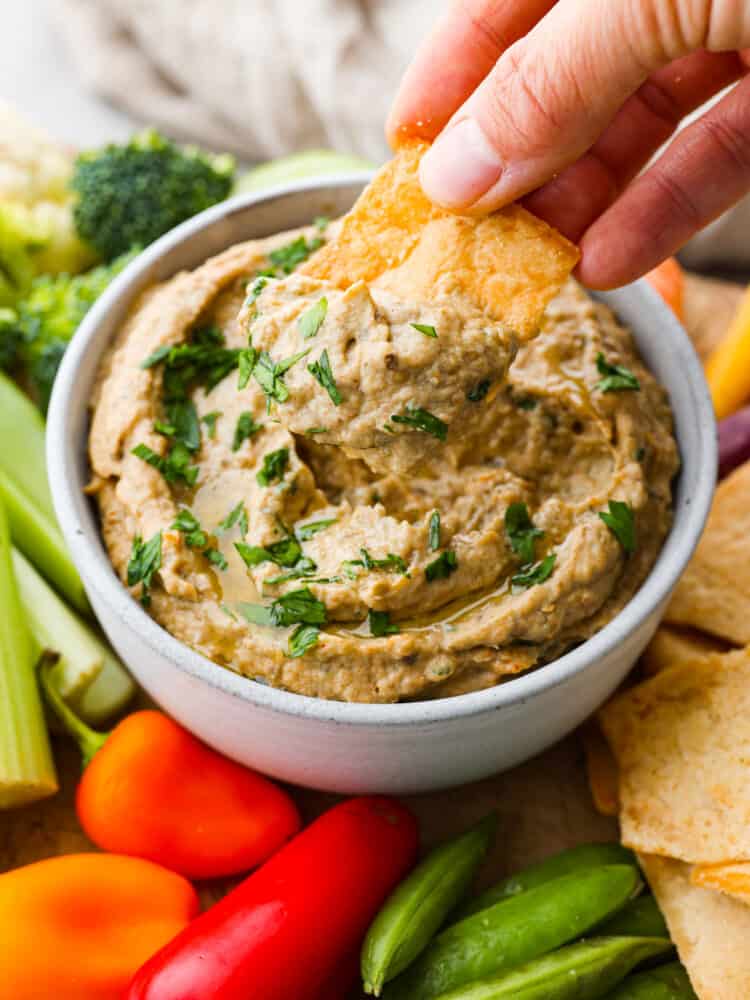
<point x="563" y="102"/>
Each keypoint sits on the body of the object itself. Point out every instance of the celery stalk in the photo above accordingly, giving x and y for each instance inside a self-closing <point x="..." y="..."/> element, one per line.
<point x="39" y="538"/>
<point x="88" y="675"/>
<point x="27" y="771"/>
<point x="22" y="454"/>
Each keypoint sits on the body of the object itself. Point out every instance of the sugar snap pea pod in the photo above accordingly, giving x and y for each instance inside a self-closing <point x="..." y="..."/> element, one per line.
<point x="418" y="907"/>
<point x="586" y="970"/>
<point x="640" y="918"/>
<point x="516" y="930"/>
<point x="666" y="982"/>
<point x="574" y="860"/>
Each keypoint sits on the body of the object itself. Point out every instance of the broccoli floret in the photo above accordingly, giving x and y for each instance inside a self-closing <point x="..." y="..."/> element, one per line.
<point x="131" y="194"/>
<point x="50" y="314"/>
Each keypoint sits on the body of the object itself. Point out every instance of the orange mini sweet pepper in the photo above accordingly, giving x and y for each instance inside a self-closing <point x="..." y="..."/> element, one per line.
<point x="78" y="927"/>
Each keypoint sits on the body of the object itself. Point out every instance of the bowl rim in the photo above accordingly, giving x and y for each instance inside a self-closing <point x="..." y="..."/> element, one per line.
<point x="90" y="555"/>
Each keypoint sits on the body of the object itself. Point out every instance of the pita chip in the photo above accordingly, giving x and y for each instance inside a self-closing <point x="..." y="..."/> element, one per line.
<point x="711" y="930"/>
<point x="510" y="264"/>
<point x="732" y="878"/>
<point x="714" y="593"/>
<point x="672" y="647"/>
<point x="682" y="745"/>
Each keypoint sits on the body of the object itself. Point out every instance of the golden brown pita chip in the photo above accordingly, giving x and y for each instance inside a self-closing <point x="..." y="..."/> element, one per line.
<point x="673" y="647"/>
<point x="714" y="593"/>
<point x="732" y="878"/>
<point x="509" y="263"/>
<point x="682" y="744"/>
<point x="601" y="770"/>
<point x="711" y="930"/>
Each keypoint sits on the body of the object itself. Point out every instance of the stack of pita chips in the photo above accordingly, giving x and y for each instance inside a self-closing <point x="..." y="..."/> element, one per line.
<point x="679" y="771"/>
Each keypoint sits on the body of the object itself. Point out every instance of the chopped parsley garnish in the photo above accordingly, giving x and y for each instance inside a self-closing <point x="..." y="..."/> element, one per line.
<point x="521" y="532"/>
<point x="209" y="419"/>
<point x="312" y="320"/>
<point x="285" y="552"/>
<point x="256" y="288"/>
<point x="306" y="531"/>
<point x="174" y="466"/>
<point x="303" y="568"/>
<point x="477" y="393"/>
<point x="536" y="573"/>
<point x="145" y="560"/>
<point x="311" y="431"/>
<point x="616" y="378"/>
<point x="433" y="531"/>
<point x="216" y="558"/>
<point x="321" y="372"/>
<point x="275" y="464"/>
<point x="237" y="515"/>
<point x="381" y="624"/>
<point x="621" y="522"/>
<point x="422" y="420"/>
<point x="291" y="255"/>
<point x="392" y="563"/>
<point x="203" y="361"/>
<point x="183" y="418"/>
<point x="167" y="430"/>
<point x="303" y="638"/>
<point x="425" y="328"/>
<point x="245" y="429"/>
<point x="246" y="362"/>
<point x="640" y="454"/>
<point x="269" y="375"/>
<point x="256" y="614"/>
<point x="188" y="524"/>
<point x="442" y="567"/>
<point x="298" y="607"/>
<point x="321" y="223"/>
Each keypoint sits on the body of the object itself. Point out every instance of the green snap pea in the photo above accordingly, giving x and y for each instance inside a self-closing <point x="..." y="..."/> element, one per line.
<point x="582" y="971"/>
<point x="574" y="860"/>
<point x="666" y="982"/>
<point x="418" y="908"/>
<point x="640" y="918"/>
<point x="516" y="930"/>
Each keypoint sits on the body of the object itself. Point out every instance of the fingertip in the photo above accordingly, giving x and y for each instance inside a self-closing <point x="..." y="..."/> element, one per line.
<point x="601" y="267"/>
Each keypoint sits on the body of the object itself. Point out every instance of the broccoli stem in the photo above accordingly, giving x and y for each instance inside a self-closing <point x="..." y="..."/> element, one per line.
<point x="40" y="540"/>
<point x="27" y="772"/>
<point x="88" y="675"/>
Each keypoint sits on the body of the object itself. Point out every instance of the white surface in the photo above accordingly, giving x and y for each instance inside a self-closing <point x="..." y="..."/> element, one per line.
<point x="354" y="747"/>
<point x="38" y="78"/>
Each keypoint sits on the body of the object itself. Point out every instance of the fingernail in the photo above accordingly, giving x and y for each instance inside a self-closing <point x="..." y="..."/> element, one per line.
<point x="460" y="166"/>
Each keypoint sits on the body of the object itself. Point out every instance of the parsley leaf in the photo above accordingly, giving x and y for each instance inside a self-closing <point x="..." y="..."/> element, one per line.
<point x="275" y="464"/>
<point x="442" y="567"/>
<point x="477" y="393"/>
<point x="303" y="638"/>
<point x="216" y="558"/>
<point x="316" y="430"/>
<point x="433" y="533"/>
<point x="298" y="607"/>
<point x="204" y="361"/>
<point x="174" y="466"/>
<point x="536" y="573"/>
<point x="256" y="614"/>
<point x="425" y="328"/>
<point x="237" y="515"/>
<point x="246" y="428"/>
<point x="621" y="522"/>
<point x="145" y="560"/>
<point x="183" y="419"/>
<point x="321" y="223"/>
<point x="188" y="524"/>
<point x="381" y="624"/>
<point x="521" y="532"/>
<point x="291" y="255"/>
<point x="306" y="531"/>
<point x="209" y="419"/>
<point x="285" y="552"/>
<point x="256" y="288"/>
<point x="304" y="567"/>
<point x="527" y="403"/>
<point x="311" y="321"/>
<point x="269" y="375"/>
<point x="392" y="563"/>
<point x="616" y="378"/>
<point x="422" y="420"/>
<point x="246" y="362"/>
<point x="321" y="372"/>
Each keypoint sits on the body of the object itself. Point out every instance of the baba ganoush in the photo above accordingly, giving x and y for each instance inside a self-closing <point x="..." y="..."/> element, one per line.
<point x="355" y="497"/>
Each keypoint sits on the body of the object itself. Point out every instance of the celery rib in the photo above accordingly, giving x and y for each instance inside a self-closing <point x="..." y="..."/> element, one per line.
<point x="27" y="771"/>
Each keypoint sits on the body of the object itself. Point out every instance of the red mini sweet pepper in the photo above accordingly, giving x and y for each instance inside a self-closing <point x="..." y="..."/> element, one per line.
<point x="151" y="789"/>
<point x="285" y="931"/>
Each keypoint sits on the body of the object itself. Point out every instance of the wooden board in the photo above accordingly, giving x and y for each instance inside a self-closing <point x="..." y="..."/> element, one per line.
<point x="544" y="805"/>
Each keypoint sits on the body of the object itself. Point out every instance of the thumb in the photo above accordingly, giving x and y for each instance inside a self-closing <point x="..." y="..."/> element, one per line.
<point x="550" y="96"/>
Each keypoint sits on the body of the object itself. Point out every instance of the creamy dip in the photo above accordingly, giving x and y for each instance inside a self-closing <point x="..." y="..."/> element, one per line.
<point x="369" y="499"/>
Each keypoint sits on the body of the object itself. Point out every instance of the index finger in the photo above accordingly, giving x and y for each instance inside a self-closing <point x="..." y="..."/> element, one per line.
<point x="453" y="60"/>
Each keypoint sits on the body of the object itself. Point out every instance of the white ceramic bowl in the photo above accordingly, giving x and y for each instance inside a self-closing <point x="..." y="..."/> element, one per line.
<point x="350" y="747"/>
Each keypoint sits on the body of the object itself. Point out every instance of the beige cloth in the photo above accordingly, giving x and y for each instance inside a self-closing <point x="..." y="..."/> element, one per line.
<point x="267" y="77"/>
